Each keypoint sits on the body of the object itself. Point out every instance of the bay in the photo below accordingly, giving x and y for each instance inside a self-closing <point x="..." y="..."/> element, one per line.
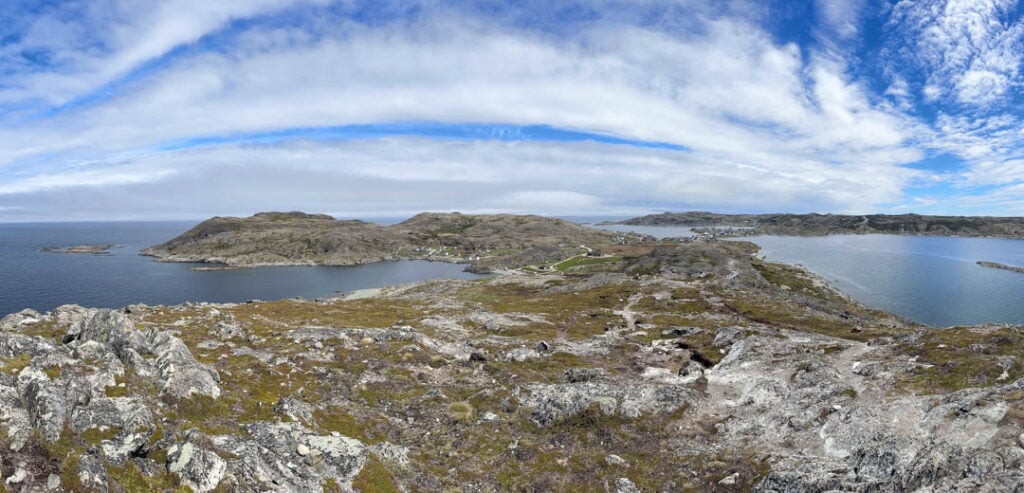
<point x="30" y="278"/>
<point x="933" y="280"/>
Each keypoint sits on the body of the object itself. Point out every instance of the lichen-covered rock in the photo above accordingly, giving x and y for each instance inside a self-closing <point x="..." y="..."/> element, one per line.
<point x="271" y="457"/>
<point x="15" y="418"/>
<point x="45" y="401"/>
<point x="200" y="469"/>
<point x="111" y="328"/>
<point x="294" y="409"/>
<point x="624" y="485"/>
<point x="123" y="446"/>
<point x="555" y="402"/>
<point x="180" y="374"/>
<point x="125" y="413"/>
<point x="92" y="473"/>
<point x="14" y="321"/>
<point x="227" y="331"/>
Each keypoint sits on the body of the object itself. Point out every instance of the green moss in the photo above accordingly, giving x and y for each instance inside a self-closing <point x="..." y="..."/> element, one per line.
<point x="46" y="329"/>
<point x="960" y="358"/>
<point x="131" y="478"/>
<point x="219" y="416"/>
<point x="793" y="278"/>
<point x="116" y="391"/>
<point x="338" y="419"/>
<point x="63" y="446"/>
<point x="15" y="364"/>
<point x="374" y="477"/>
<point x="52" y="371"/>
<point x="330" y="485"/>
<point x="69" y="479"/>
<point x="93" y="436"/>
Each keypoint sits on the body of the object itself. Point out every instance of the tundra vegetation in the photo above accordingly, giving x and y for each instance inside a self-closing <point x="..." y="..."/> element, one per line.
<point x="660" y="366"/>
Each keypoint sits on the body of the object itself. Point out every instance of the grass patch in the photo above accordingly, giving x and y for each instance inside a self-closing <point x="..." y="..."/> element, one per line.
<point x="960" y="358"/>
<point x="374" y="477"/>
<point x="93" y="436"/>
<point x="15" y="364"/>
<point x="460" y="411"/>
<point x="582" y="261"/>
<point x="133" y="479"/>
<point x="335" y="418"/>
<point x="569" y="314"/>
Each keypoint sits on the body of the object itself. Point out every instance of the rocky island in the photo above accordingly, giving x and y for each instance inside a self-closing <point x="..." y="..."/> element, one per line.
<point x="828" y="224"/>
<point x="92" y="249"/>
<point x="295" y="238"/>
<point x="997" y="265"/>
<point x="658" y="366"/>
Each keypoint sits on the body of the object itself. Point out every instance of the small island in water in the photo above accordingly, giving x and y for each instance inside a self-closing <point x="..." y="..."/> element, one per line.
<point x="997" y="265"/>
<point x="103" y="249"/>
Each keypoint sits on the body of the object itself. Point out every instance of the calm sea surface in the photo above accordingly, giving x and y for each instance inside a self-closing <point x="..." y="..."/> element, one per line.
<point x="933" y="280"/>
<point x="33" y="279"/>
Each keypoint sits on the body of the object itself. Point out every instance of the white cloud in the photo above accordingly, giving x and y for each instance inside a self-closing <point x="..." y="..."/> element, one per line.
<point x="388" y="177"/>
<point x="971" y="49"/>
<point x="843" y="17"/>
<point x="95" y="43"/>
<point x="733" y="92"/>
<point x="769" y="124"/>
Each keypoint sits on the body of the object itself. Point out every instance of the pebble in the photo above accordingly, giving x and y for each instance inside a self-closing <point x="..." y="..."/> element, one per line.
<point x="302" y="450"/>
<point x="730" y="479"/>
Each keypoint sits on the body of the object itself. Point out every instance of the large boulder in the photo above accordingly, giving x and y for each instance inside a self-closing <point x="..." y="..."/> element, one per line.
<point x="290" y="457"/>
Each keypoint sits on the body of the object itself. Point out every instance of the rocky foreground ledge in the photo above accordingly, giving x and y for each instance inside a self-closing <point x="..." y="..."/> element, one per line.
<point x="693" y="367"/>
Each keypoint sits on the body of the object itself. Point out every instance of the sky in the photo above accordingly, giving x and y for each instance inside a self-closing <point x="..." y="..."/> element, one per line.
<point x="181" y="109"/>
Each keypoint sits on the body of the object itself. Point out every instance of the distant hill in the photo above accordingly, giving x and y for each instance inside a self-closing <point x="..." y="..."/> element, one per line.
<point x="296" y="238"/>
<point x="826" y="224"/>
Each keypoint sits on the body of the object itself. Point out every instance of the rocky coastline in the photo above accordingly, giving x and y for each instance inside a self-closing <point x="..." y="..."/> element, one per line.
<point x="738" y="225"/>
<point x="483" y="242"/>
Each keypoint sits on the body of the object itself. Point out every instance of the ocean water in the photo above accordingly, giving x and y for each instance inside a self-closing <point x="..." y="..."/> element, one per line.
<point x="33" y="279"/>
<point x="933" y="280"/>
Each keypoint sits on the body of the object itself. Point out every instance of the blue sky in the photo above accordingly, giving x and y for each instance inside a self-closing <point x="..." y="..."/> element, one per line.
<point x="120" y="109"/>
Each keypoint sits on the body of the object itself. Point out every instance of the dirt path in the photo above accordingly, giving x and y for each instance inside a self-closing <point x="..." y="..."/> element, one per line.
<point x="627" y="312"/>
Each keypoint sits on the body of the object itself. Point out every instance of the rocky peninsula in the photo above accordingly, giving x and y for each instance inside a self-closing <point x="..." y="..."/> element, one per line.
<point x="657" y="367"/>
<point x="829" y="224"/>
<point x="294" y="238"/>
